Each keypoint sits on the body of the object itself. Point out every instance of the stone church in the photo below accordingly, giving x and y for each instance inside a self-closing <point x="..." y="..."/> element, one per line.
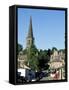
<point x="29" y="41"/>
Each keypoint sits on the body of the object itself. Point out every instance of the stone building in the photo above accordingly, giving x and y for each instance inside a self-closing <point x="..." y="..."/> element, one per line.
<point x="22" y="58"/>
<point x="57" y="55"/>
<point x="57" y="64"/>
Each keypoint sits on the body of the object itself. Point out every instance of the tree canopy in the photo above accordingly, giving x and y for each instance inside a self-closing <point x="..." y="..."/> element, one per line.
<point x="37" y="60"/>
<point x="19" y="47"/>
<point x="32" y="53"/>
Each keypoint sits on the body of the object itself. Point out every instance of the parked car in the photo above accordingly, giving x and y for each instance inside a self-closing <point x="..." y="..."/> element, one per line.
<point x="40" y="75"/>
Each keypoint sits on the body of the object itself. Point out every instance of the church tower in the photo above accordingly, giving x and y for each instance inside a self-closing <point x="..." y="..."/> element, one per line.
<point x="30" y="38"/>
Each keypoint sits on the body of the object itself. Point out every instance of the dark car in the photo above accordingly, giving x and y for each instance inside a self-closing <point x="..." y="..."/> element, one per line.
<point x="40" y="75"/>
<point x="30" y="75"/>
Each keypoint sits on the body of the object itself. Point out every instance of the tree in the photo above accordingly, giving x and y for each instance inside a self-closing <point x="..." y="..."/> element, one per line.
<point x="25" y="51"/>
<point x="43" y="63"/>
<point x="33" y="63"/>
<point x="49" y="52"/>
<point x="45" y="52"/>
<point x="54" y="48"/>
<point x="43" y="59"/>
<point x="62" y="50"/>
<point x="32" y="57"/>
<point x="19" y="48"/>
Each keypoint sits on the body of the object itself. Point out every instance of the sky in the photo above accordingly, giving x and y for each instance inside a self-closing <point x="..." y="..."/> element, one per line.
<point x="48" y="27"/>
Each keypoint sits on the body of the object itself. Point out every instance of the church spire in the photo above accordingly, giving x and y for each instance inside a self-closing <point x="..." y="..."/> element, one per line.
<point x="30" y="33"/>
<point x="30" y="38"/>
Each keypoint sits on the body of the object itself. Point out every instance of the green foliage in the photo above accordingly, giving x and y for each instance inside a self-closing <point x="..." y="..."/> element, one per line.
<point x="42" y="52"/>
<point x="54" y="48"/>
<point x="33" y="63"/>
<point x="38" y="60"/>
<point x="32" y="53"/>
<point x="49" y="52"/>
<point x="19" y="48"/>
<point x="25" y="51"/>
<point x="43" y="60"/>
<point x="63" y="50"/>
